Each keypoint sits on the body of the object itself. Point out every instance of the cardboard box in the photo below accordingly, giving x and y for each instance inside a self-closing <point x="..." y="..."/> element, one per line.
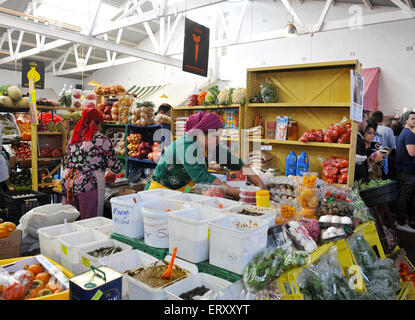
<point x="10" y="247"/>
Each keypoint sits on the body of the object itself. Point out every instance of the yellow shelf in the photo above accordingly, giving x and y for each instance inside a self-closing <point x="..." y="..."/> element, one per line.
<point x="306" y="144"/>
<point x="299" y="105"/>
<point x="305" y="66"/>
<point x="47" y="133"/>
<point x="207" y="107"/>
<point x="49" y="159"/>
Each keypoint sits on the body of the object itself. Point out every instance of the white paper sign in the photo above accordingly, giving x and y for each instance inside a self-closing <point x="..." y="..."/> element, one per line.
<point x="357" y="85"/>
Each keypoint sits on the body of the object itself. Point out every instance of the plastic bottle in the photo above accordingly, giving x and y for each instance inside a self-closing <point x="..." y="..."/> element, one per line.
<point x="302" y="164"/>
<point x="291" y="164"/>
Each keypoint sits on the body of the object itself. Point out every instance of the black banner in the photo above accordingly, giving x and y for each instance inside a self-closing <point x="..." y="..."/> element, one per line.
<point x="33" y="69"/>
<point x="196" y="48"/>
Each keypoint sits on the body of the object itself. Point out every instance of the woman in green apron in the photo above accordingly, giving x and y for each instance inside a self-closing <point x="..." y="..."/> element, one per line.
<point x="184" y="162"/>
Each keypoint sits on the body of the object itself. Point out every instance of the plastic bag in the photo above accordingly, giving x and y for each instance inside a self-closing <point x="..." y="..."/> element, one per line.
<point x="301" y="237"/>
<point x="269" y="265"/>
<point x="45" y="216"/>
<point x="361" y="212"/>
<point x="323" y="280"/>
<point x="268" y="92"/>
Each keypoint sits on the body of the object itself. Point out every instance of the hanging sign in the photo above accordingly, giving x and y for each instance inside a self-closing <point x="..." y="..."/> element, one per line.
<point x="357" y="85"/>
<point x="33" y="69"/>
<point x="196" y="48"/>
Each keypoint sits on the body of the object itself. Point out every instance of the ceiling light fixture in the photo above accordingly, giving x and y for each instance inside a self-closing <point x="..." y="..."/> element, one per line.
<point x="290" y="30"/>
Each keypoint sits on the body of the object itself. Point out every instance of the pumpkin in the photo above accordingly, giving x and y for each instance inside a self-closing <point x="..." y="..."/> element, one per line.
<point x="44" y="292"/>
<point x="15" y="291"/>
<point x="44" y="276"/>
<point x="35" y="268"/>
<point x="31" y="294"/>
<point x="6" y="228"/>
<point x="38" y="285"/>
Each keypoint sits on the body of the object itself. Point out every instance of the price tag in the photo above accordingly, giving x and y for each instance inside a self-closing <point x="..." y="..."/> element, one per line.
<point x="208" y="234"/>
<point x="266" y="147"/>
<point x="86" y="262"/>
<point x="64" y="250"/>
<point x="97" y="295"/>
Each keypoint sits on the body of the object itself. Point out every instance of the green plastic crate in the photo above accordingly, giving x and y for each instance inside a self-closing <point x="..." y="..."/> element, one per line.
<point x="140" y="245"/>
<point x="205" y="267"/>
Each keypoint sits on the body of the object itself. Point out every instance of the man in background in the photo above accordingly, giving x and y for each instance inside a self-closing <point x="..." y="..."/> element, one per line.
<point x="405" y="159"/>
<point x="361" y="169"/>
<point x="385" y="132"/>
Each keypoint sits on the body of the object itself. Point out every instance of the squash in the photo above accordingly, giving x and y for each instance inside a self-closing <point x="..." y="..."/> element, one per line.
<point x="14" y="93"/>
<point x="44" y="292"/>
<point x="6" y="228"/>
<point x="43" y="276"/>
<point x="31" y="294"/>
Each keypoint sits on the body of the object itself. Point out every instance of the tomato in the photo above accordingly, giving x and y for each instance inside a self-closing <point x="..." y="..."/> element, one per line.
<point x="319" y="135"/>
<point x="344" y="163"/>
<point x="328" y="137"/>
<point x="342" y="179"/>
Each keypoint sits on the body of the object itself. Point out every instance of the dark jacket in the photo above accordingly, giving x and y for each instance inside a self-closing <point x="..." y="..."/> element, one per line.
<point x="361" y="171"/>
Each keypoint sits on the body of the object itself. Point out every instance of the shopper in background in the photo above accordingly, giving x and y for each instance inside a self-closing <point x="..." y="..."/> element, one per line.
<point x="397" y="128"/>
<point x="361" y="170"/>
<point x="4" y="164"/>
<point x="184" y="163"/>
<point x="406" y="173"/>
<point x="386" y="133"/>
<point x="165" y="109"/>
<point x="375" y="160"/>
<point x="89" y="154"/>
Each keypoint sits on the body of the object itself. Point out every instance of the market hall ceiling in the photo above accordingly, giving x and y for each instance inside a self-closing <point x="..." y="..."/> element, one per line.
<point x="64" y="59"/>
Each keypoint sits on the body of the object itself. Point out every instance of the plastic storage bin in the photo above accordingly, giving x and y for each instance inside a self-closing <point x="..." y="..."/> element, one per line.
<point x="108" y="230"/>
<point x="138" y="290"/>
<point x="86" y="260"/>
<point x="68" y="243"/>
<point x="234" y="241"/>
<point x="126" y="214"/>
<point x="189" y="232"/>
<point x="155" y="220"/>
<point x="174" y="291"/>
<point x="217" y="203"/>
<point x="187" y="197"/>
<point x="262" y="212"/>
<point x="48" y="239"/>
<point x="94" y="223"/>
<point x="127" y="260"/>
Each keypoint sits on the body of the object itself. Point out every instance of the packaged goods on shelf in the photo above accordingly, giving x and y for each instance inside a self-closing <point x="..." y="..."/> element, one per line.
<point x="109" y="90"/>
<point x="260" y="160"/>
<point x="10" y="129"/>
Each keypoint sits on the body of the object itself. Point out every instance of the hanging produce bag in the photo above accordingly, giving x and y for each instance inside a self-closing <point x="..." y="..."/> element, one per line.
<point x="268" y="92"/>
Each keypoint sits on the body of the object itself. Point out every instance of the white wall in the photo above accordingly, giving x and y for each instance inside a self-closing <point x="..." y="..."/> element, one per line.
<point x="382" y="45"/>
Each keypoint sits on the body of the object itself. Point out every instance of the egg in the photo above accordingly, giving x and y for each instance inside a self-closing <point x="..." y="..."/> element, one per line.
<point x="325" y="235"/>
<point x="340" y="232"/>
<point x="346" y="220"/>
<point x="324" y="219"/>
<point x="335" y="219"/>
<point x="332" y="231"/>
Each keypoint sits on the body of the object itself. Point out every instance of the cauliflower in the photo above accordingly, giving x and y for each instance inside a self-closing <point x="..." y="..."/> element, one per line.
<point x="238" y="96"/>
<point x="223" y="97"/>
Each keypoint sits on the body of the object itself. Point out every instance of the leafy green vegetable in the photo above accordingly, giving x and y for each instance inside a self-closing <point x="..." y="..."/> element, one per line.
<point x="269" y="265"/>
<point x="3" y="89"/>
<point x="372" y="184"/>
<point x="268" y="92"/>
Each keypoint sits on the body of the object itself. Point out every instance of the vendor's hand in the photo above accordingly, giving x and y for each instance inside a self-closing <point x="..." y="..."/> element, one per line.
<point x="232" y="192"/>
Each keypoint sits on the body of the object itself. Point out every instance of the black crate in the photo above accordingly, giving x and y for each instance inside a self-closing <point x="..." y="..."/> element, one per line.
<point x="19" y="206"/>
<point x="379" y="195"/>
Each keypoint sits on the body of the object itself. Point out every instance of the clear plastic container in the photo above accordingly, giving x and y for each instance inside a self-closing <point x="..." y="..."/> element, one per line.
<point x="89" y="95"/>
<point x="211" y="190"/>
<point x="76" y="103"/>
<point x="76" y="94"/>
<point x="248" y="191"/>
<point x="249" y="200"/>
<point x="310" y="179"/>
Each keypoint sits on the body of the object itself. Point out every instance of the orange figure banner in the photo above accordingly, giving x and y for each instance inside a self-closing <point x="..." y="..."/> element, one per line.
<point x="196" y="48"/>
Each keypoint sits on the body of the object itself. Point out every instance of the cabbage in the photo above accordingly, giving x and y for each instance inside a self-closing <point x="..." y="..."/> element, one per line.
<point x="67" y="116"/>
<point x="76" y="116"/>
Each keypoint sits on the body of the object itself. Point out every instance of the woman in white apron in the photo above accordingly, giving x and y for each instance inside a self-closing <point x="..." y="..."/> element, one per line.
<point x="89" y="154"/>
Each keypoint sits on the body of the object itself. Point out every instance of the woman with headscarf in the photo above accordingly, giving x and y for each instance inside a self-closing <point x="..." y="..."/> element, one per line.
<point x="184" y="163"/>
<point x="89" y="154"/>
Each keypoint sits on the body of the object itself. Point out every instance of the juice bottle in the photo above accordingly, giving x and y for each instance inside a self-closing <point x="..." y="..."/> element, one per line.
<point x="302" y="164"/>
<point x="291" y="164"/>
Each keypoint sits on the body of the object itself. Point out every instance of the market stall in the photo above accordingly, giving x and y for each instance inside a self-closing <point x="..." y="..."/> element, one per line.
<point x="312" y="233"/>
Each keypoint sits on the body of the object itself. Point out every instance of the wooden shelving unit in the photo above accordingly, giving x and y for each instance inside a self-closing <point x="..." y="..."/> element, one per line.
<point x="184" y="111"/>
<point x="315" y="95"/>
